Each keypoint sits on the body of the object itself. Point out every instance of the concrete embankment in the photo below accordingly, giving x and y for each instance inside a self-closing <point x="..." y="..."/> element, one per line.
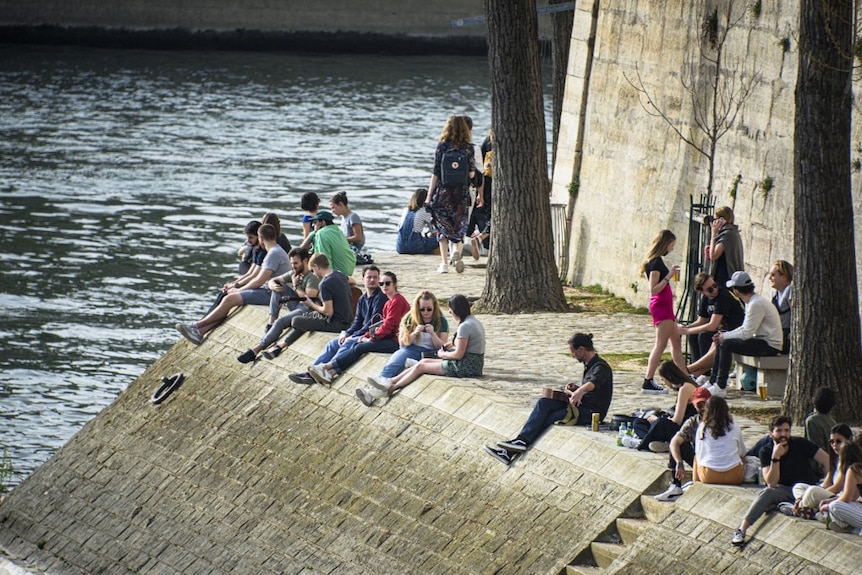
<point x="400" y="27"/>
<point x="242" y="471"/>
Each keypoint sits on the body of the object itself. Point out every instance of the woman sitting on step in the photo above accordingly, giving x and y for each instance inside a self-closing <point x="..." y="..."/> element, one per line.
<point x="422" y="330"/>
<point x="846" y="511"/>
<point x="658" y="430"/>
<point x="809" y="497"/>
<point x="465" y="359"/>
<point x="718" y="446"/>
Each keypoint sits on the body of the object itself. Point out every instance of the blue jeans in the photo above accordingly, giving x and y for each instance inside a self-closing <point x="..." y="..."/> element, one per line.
<point x="331" y="349"/>
<point x="396" y="362"/>
<point x="351" y="350"/>
<point x="545" y="413"/>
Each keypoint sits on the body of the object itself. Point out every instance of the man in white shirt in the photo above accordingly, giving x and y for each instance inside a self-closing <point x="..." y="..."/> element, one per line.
<point x="759" y="335"/>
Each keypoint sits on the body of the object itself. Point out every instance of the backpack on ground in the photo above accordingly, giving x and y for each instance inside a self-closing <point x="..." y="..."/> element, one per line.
<point x="454" y="168"/>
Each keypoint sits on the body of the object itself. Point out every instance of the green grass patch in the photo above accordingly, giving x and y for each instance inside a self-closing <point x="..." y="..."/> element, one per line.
<point x="596" y="299"/>
<point x="630" y="361"/>
<point x="762" y="415"/>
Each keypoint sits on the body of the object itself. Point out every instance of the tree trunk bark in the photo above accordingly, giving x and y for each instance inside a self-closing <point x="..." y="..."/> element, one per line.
<point x="522" y="274"/>
<point x="825" y="333"/>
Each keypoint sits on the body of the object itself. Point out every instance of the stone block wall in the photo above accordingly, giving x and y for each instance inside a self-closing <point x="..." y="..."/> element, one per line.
<point x="242" y="471"/>
<point x="636" y="175"/>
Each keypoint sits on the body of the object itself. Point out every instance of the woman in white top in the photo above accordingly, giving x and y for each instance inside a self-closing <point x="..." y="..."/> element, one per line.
<point x="719" y="447"/>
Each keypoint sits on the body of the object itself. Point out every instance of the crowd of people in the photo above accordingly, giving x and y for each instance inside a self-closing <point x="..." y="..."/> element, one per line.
<point x="815" y="477"/>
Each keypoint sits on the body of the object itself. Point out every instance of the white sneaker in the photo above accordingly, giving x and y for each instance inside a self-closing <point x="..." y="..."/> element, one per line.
<point x="380" y="382"/>
<point x="443" y="269"/>
<point x="671" y="494"/>
<point x="716" y="391"/>
<point x="320" y="374"/>
<point x="701" y="380"/>
<point x="368" y="395"/>
<point x="410" y="362"/>
<point x="686" y="485"/>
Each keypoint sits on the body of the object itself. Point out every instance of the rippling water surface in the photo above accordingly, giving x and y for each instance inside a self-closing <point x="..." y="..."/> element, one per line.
<point x="126" y="178"/>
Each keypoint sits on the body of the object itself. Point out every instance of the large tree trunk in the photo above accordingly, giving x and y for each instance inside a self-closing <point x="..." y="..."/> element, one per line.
<point x="825" y="335"/>
<point x="522" y="275"/>
<point x="562" y="24"/>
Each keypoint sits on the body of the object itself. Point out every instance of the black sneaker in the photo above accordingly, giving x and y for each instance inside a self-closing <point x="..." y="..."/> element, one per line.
<point x="272" y="352"/>
<point x="501" y="454"/>
<point x="516" y="445"/>
<point x="247" y="357"/>
<point x="303" y="378"/>
<point x="650" y="386"/>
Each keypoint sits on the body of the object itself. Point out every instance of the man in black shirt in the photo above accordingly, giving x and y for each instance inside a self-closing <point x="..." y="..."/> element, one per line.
<point x="592" y="396"/>
<point x="718" y="310"/>
<point x="785" y="462"/>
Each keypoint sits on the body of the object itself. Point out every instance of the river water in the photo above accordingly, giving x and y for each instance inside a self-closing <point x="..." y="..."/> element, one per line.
<point x="126" y="178"/>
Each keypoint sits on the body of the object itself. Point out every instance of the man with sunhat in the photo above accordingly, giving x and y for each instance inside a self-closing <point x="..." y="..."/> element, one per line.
<point x="682" y="446"/>
<point x="759" y="335"/>
<point x="328" y="239"/>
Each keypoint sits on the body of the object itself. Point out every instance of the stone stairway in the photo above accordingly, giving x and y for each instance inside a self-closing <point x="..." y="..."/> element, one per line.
<point x="611" y="545"/>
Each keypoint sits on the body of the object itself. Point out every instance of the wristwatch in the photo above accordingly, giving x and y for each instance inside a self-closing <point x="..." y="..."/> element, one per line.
<point x="775" y="460"/>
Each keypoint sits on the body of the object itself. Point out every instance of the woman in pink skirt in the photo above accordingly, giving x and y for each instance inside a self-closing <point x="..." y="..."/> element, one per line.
<point x="661" y="308"/>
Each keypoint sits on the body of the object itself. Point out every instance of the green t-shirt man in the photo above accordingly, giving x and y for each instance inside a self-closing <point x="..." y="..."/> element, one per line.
<point x="330" y="241"/>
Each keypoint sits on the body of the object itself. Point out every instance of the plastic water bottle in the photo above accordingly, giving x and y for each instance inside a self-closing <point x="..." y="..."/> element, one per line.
<point x="621" y="434"/>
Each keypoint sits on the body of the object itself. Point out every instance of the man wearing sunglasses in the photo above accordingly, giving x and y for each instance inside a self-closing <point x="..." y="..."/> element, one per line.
<point x="718" y="310"/>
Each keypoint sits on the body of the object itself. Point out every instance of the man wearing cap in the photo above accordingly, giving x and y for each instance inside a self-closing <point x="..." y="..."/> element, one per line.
<point x="328" y="239"/>
<point x="682" y="446"/>
<point x="592" y="396"/>
<point x="759" y="335"/>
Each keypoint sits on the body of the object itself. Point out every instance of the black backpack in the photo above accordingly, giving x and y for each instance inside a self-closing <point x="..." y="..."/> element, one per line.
<point x="454" y="168"/>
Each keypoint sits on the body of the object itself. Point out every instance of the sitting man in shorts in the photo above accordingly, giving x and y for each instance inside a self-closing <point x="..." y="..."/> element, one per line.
<point x="254" y="292"/>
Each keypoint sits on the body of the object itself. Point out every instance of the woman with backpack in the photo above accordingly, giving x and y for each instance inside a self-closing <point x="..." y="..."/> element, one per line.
<point x="449" y="190"/>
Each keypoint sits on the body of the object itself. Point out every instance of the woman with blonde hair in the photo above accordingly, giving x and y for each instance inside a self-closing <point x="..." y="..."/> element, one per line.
<point x="661" y="308"/>
<point x="466" y="358"/>
<point x="781" y="281"/>
<point x="450" y="203"/>
<point x="422" y="330"/>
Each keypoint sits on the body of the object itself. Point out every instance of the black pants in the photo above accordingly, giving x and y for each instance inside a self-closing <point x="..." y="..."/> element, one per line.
<point x="699" y="344"/>
<point x="724" y="355"/>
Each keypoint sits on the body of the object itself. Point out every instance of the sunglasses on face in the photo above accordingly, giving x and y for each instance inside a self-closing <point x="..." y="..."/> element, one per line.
<point x="386" y="283"/>
<point x="424" y="309"/>
<point x="711" y="288"/>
